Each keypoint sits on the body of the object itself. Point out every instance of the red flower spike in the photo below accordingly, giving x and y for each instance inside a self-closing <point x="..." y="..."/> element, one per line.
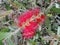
<point x="33" y="25"/>
<point x="29" y="31"/>
<point x="27" y="15"/>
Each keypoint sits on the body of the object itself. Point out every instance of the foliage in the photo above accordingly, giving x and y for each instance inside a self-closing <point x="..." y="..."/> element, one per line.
<point x="5" y="30"/>
<point x="56" y="10"/>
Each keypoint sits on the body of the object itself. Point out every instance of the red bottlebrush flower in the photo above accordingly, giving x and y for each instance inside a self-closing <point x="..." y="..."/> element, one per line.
<point x="33" y="25"/>
<point x="29" y="31"/>
<point x="24" y="17"/>
<point x="27" y="15"/>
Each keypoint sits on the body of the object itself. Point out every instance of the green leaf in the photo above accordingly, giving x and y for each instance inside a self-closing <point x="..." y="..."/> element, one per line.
<point x="9" y="41"/>
<point x="7" y="7"/>
<point x="20" y="4"/>
<point x="1" y="42"/>
<point x="4" y="30"/>
<point x="56" y="10"/>
<point x="4" y="35"/>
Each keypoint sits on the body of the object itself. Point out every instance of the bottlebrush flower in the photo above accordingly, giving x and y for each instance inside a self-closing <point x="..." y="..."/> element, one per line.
<point x="27" y="15"/>
<point x="29" y="31"/>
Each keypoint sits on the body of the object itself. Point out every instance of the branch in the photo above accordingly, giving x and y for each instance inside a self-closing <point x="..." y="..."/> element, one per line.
<point x="5" y="14"/>
<point x="50" y="6"/>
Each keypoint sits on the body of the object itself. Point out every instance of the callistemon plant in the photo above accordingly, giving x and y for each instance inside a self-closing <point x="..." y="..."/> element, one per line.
<point x="29" y="30"/>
